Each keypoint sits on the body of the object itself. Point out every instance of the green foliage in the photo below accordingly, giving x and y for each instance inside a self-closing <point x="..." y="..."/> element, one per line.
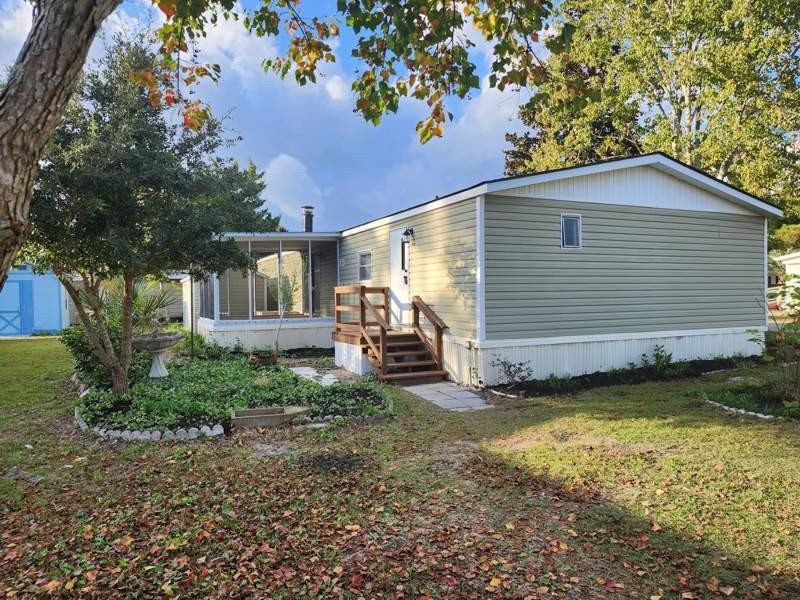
<point x="203" y="349"/>
<point x="511" y="372"/>
<point x="783" y="344"/>
<point x="659" y="363"/>
<point x="150" y="300"/>
<point x="714" y="84"/>
<point x="122" y="191"/>
<point x="204" y="392"/>
<point x="325" y="362"/>
<point x="91" y="370"/>
<point x="768" y="398"/>
<point x="419" y="49"/>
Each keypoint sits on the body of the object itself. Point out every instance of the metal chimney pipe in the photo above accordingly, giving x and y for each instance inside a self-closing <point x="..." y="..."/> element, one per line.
<point x="308" y="218"/>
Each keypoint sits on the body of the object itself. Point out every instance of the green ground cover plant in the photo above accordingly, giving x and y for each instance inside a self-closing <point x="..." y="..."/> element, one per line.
<point x="203" y="392"/>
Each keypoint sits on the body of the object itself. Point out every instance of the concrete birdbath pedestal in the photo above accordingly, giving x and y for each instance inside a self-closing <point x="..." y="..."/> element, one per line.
<point x="157" y="344"/>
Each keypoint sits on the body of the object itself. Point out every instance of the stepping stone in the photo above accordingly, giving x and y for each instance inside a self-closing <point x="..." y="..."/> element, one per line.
<point x="274" y="449"/>
<point x="449" y="396"/>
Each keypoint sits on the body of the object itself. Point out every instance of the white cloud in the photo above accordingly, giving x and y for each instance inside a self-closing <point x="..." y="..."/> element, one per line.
<point x="290" y="186"/>
<point x="229" y="44"/>
<point x="16" y="18"/>
<point x="337" y="88"/>
<point x="470" y="151"/>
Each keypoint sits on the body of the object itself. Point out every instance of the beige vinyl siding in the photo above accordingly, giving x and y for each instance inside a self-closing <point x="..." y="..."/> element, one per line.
<point x="442" y="261"/>
<point x="639" y="269"/>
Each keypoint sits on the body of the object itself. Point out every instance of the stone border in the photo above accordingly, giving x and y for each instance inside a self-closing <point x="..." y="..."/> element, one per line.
<point x="738" y="411"/>
<point x="127" y="435"/>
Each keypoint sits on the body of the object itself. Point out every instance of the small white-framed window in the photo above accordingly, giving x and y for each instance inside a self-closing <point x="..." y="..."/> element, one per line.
<point x="571" y="234"/>
<point x="364" y="266"/>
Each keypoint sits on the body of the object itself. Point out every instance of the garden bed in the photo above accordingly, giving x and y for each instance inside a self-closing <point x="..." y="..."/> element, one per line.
<point x="760" y="398"/>
<point x="635" y="374"/>
<point x="204" y="392"/>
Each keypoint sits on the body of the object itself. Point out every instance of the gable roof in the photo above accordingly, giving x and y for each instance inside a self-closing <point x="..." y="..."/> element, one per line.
<point x="657" y="160"/>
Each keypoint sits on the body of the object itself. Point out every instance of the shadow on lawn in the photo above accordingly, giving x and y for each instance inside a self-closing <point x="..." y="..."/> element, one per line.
<point x="681" y="557"/>
<point x="615" y="544"/>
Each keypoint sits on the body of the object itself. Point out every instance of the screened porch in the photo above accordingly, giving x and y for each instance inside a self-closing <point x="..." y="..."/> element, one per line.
<point x="294" y="275"/>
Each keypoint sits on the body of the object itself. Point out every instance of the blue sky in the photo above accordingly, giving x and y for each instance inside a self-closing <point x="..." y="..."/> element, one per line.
<point x="311" y="146"/>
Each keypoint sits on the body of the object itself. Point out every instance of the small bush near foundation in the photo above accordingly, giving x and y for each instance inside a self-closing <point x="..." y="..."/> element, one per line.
<point x="204" y="392"/>
<point x="657" y="366"/>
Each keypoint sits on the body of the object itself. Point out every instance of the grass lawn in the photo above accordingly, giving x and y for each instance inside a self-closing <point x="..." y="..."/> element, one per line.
<point x="627" y="491"/>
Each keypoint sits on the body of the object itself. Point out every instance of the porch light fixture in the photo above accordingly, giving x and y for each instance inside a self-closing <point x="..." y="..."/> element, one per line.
<point x="408" y="234"/>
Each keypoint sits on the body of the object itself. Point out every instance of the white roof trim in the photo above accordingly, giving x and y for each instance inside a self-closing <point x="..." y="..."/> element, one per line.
<point x="283" y="235"/>
<point x="658" y="161"/>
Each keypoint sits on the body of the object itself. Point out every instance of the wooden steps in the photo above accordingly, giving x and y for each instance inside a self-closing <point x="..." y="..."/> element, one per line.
<point x="398" y="355"/>
<point x="408" y="359"/>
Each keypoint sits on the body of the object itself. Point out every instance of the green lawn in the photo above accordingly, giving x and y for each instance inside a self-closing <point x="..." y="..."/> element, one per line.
<point x="632" y="491"/>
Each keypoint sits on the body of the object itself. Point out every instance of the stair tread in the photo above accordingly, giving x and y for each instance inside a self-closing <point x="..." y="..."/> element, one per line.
<point x="414" y="363"/>
<point x="409" y="352"/>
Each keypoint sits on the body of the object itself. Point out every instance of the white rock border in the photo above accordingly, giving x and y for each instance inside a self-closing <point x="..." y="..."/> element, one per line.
<point x="151" y="435"/>
<point x="148" y="435"/>
<point x="738" y="411"/>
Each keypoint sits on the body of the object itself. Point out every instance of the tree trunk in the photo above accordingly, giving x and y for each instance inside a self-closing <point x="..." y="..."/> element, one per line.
<point x="119" y="378"/>
<point x="33" y="101"/>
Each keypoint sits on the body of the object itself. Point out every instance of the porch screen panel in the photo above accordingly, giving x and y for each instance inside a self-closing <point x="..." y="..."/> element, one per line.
<point x="264" y="280"/>
<point x="207" y="298"/>
<point x="233" y="293"/>
<point x="294" y="279"/>
<point x="323" y="278"/>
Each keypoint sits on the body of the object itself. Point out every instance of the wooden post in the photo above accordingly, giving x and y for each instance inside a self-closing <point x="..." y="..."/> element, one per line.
<point x="337" y="300"/>
<point x="386" y="311"/>
<point x="383" y="351"/>
<point x="439" y="344"/>
<point x="363" y="321"/>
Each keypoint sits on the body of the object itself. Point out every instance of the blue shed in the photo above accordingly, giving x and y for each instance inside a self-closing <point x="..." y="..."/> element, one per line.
<point x="31" y="303"/>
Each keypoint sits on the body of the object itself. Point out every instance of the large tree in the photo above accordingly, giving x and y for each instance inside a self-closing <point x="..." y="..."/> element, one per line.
<point x="414" y="48"/>
<point x="714" y="84"/>
<point x="123" y="195"/>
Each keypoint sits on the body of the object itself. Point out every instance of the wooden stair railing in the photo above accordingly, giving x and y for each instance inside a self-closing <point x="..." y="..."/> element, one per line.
<point x="398" y="355"/>
<point x="418" y="306"/>
<point x="380" y="351"/>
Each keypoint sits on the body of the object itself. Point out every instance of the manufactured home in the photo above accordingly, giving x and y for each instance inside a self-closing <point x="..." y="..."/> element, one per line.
<point x="576" y="270"/>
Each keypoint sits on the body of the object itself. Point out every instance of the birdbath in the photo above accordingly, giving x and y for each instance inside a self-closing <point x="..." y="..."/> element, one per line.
<point x="157" y="344"/>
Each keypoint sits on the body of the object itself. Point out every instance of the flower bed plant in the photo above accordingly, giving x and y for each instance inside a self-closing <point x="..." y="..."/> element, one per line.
<point x="766" y="398"/>
<point x="204" y="392"/>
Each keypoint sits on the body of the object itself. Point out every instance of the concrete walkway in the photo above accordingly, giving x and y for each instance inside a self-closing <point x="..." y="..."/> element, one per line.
<point x="449" y="396"/>
<point x="314" y="375"/>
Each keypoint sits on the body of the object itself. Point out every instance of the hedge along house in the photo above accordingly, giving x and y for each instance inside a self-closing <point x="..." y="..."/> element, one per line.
<point x="576" y="270"/>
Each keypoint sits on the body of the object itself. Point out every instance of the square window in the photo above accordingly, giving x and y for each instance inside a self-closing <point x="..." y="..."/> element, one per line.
<point x="365" y="266"/>
<point x="570" y="231"/>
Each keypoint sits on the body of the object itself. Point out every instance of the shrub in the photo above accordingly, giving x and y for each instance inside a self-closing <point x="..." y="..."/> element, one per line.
<point x="512" y="372"/>
<point x="89" y="366"/>
<point x="204" y="393"/>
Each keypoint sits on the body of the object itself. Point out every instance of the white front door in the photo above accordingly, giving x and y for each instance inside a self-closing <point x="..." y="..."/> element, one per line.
<point x="399" y="299"/>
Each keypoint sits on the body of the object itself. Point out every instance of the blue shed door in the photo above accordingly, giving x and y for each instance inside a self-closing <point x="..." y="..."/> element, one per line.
<point x="16" y="308"/>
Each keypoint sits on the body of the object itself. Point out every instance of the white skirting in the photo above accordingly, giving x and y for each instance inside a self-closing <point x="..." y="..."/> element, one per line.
<point x="352" y="358"/>
<point x="250" y="335"/>
<point x="468" y="361"/>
